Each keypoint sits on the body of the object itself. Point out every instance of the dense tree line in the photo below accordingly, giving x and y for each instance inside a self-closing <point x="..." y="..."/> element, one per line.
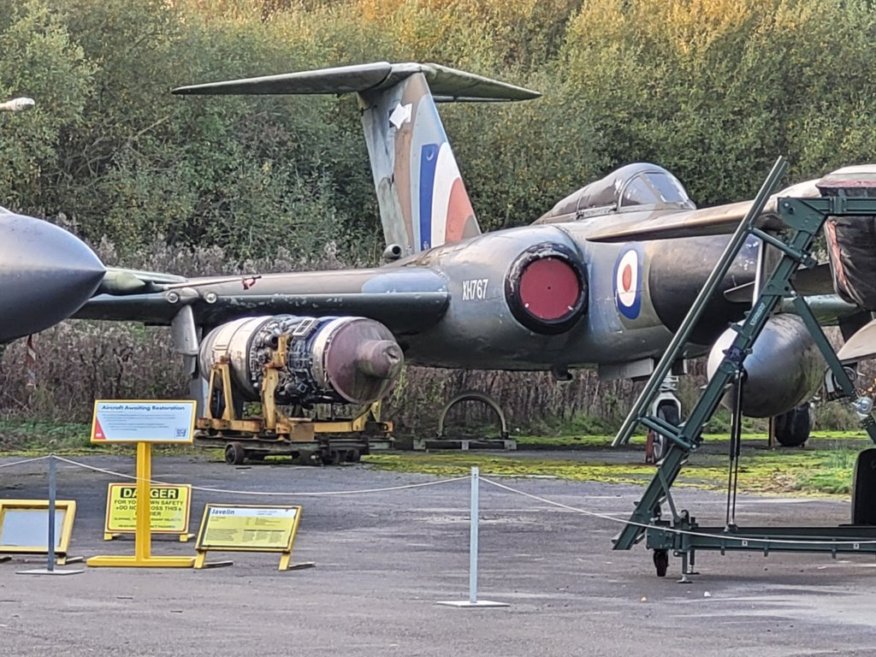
<point x="712" y="89"/>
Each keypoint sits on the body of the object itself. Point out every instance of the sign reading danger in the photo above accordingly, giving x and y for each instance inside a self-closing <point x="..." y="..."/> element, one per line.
<point x="170" y="507"/>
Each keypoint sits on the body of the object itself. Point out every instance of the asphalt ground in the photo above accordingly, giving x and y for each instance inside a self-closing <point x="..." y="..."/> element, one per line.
<point x="383" y="559"/>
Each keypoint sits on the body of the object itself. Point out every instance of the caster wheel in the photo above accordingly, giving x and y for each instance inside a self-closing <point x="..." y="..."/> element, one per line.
<point x="235" y="454"/>
<point x="661" y="562"/>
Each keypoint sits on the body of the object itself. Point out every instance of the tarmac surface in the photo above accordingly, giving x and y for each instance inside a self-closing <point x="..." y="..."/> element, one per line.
<point x="383" y="559"/>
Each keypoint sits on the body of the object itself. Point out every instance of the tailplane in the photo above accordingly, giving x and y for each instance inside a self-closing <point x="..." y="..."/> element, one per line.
<point x="422" y="199"/>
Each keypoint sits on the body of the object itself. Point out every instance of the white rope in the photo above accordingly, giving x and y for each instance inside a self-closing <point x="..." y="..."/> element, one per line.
<point x="728" y="537"/>
<point x="25" y="461"/>
<point x="228" y="491"/>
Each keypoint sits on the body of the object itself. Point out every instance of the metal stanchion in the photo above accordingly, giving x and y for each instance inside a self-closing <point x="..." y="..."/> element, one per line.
<point x="50" y="552"/>
<point x="473" y="554"/>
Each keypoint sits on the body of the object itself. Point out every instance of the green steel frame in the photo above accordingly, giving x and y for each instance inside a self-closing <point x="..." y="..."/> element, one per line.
<point x="803" y="218"/>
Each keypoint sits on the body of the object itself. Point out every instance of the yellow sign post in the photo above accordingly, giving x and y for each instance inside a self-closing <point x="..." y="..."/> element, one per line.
<point x="143" y="423"/>
<point x="248" y="528"/>
<point x="170" y="510"/>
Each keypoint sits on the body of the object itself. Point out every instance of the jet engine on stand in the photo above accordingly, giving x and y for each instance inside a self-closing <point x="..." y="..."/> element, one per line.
<point x="293" y="361"/>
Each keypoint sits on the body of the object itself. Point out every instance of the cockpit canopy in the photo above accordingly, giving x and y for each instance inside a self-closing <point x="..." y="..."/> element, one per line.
<point x="639" y="186"/>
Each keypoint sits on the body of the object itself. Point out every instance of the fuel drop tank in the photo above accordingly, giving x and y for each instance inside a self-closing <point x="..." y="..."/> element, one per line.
<point x="784" y="368"/>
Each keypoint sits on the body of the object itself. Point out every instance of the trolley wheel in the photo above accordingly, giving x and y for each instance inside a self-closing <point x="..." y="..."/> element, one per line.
<point x="864" y="488"/>
<point x="235" y="454"/>
<point x="331" y="457"/>
<point x="661" y="562"/>
<point x="353" y="456"/>
<point x="793" y="427"/>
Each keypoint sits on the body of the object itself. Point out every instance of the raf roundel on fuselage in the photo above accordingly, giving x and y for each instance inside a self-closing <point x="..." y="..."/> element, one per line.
<point x="631" y="188"/>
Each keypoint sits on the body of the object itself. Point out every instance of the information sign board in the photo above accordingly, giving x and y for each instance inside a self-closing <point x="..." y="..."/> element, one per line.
<point x="248" y="528"/>
<point x="152" y="421"/>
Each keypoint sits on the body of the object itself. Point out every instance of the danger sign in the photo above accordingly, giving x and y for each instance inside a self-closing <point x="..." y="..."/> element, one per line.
<point x="170" y="508"/>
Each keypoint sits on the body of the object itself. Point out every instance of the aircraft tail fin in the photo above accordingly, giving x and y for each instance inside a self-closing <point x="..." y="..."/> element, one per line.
<point x="422" y="199"/>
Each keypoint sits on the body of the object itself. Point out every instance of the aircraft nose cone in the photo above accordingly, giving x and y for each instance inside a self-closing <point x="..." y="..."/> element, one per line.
<point x="46" y="274"/>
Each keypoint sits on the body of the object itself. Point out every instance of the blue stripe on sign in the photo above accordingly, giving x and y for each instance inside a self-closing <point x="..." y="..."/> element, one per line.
<point x="428" y="166"/>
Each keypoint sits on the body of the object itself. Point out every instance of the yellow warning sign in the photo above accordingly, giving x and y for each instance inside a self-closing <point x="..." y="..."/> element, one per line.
<point x="244" y="528"/>
<point x="170" y="508"/>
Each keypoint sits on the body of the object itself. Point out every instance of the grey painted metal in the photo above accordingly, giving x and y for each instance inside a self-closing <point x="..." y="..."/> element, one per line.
<point x="676" y="345"/>
<point x="473" y="537"/>
<point x="46" y="274"/>
<point x="50" y="562"/>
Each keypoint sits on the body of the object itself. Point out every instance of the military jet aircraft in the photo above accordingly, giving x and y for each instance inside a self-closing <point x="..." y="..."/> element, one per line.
<point x="45" y="272"/>
<point x="593" y="282"/>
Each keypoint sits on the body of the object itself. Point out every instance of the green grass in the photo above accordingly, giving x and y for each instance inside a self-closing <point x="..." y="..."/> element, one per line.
<point x="824" y="468"/>
<point x="806" y="472"/>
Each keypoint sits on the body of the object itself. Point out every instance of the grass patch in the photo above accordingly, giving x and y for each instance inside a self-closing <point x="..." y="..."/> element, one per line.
<point x="801" y="472"/>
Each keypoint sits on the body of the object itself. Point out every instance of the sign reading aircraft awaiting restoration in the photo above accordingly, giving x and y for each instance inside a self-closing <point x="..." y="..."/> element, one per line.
<point x="143" y="421"/>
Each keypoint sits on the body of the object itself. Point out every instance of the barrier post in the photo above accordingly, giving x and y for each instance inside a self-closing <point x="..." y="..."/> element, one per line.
<point x="50" y="563"/>
<point x="473" y="538"/>
<point x="50" y="548"/>
<point x="473" y="551"/>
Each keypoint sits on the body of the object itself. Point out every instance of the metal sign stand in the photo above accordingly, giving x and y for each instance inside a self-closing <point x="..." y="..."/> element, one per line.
<point x="804" y="219"/>
<point x="142" y="557"/>
<point x="473" y="555"/>
<point x="50" y="559"/>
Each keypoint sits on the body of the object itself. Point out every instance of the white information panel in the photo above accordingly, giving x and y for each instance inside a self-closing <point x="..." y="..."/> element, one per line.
<point x="150" y="421"/>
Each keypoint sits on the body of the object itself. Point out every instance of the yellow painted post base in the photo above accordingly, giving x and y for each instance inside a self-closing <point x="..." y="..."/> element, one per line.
<point x="183" y="538"/>
<point x="112" y="561"/>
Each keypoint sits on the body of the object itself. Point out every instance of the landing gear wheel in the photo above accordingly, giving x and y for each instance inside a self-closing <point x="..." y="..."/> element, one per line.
<point x="661" y="562"/>
<point x="793" y="427"/>
<point x="668" y="413"/>
<point x="235" y="454"/>
<point x="864" y="488"/>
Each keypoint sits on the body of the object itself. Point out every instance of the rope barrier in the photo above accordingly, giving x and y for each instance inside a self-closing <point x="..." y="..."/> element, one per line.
<point x="496" y="484"/>
<point x="228" y="491"/>
<point x="23" y="462"/>
<point x="625" y="521"/>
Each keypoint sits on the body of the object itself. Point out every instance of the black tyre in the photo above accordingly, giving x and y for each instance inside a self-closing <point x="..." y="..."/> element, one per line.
<point x="661" y="562"/>
<point x="331" y="457"/>
<point x="793" y="427"/>
<point x="235" y="454"/>
<point x="669" y="413"/>
<point x="353" y="456"/>
<point x="864" y="488"/>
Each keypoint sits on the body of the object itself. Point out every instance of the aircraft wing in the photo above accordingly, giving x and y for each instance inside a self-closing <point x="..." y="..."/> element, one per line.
<point x="406" y="300"/>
